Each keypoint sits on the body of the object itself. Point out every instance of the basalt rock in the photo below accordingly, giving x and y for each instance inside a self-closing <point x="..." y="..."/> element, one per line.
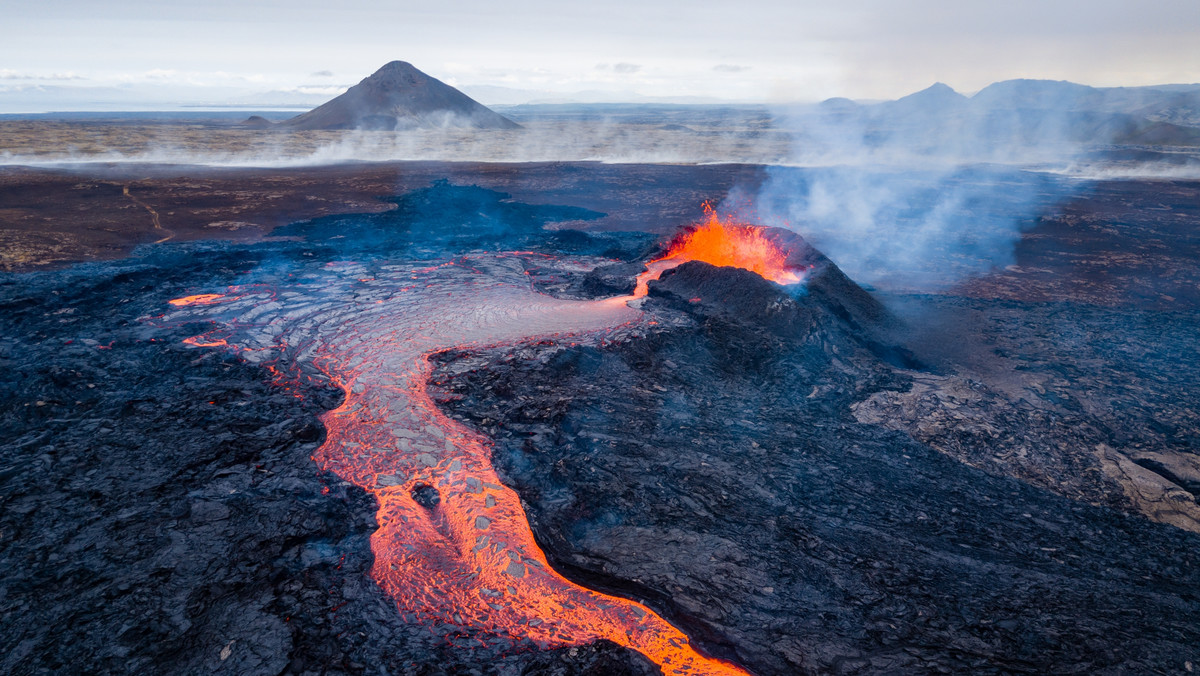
<point x="445" y="218"/>
<point x="617" y="279"/>
<point x="827" y="305"/>
<point x="714" y="469"/>
<point x="795" y="502"/>
<point x="159" y="508"/>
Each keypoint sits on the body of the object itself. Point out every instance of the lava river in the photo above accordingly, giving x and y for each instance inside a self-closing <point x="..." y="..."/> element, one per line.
<point x="468" y="562"/>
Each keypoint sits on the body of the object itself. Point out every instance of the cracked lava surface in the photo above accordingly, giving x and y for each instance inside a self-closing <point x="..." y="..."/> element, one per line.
<point x="468" y="561"/>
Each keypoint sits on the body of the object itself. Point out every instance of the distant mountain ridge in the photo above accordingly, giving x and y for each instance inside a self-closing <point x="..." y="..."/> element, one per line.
<point x="1015" y="114"/>
<point x="398" y="97"/>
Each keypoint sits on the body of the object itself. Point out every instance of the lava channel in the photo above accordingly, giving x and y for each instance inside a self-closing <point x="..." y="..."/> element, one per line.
<point x="464" y="556"/>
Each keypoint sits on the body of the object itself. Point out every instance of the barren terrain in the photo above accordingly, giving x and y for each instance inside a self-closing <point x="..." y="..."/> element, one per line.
<point x="997" y="476"/>
<point x="57" y="216"/>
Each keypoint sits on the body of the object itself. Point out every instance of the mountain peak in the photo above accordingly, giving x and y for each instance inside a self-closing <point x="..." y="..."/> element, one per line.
<point x="936" y="92"/>
<point x="1036" y="94"/>
<point x="396" y="66"/>
<point x="393" y="70"/>
<point x="937" y="98"/>
<point x="399" y="96"/>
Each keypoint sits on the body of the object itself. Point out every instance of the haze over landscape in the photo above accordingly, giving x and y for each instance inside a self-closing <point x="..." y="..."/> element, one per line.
<point x="77" y="55"/>
<point x="621" y="339"/>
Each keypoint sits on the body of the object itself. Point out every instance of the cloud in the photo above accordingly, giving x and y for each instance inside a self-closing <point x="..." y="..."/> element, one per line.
<point x="730" y="68"/>
<point x="322" y="73"/>
<point x="7" y="74"/>
<point x="324" y="90"/>
<point x="623" y="68"/>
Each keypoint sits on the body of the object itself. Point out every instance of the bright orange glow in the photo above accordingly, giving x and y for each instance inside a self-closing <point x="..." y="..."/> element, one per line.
<point x="205" y="340"/>
<point x="727" y="244"/>
<point x="467" y="567"/>
<point x="198" y="299"/>
<point x="456" y="567"/>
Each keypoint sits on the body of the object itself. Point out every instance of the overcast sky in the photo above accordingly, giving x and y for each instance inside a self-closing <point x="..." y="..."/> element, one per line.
<point x="746" y="50"/>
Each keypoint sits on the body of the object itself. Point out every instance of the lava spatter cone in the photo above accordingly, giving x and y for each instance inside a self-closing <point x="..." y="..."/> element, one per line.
<point x="722" y="242"/>
<point x="761" y="274"/>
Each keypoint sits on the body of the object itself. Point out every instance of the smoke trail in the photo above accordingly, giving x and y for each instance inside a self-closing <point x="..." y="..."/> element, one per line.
<point x="908" y="229"/>
<point x="920" y="192"/>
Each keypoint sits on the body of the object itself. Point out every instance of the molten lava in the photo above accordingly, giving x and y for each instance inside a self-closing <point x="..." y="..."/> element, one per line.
<point x="198" y="299"/>
<point x="726" y="244"/>
<point x="454" y="548"/>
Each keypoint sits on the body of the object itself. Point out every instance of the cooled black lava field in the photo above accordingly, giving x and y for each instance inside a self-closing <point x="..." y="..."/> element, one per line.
<point x="998" y="477"/>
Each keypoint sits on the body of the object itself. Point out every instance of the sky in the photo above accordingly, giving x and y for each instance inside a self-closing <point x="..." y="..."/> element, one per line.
<point x="750" y="50"/>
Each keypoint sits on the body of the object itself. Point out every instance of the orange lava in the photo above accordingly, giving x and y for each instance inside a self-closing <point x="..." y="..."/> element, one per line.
<point x="198" y="299"/>
<point x="458" y="567"/>
<point x="469" y="567"/>
<point x="726" y="244"/>
<point x="205" y="340"/>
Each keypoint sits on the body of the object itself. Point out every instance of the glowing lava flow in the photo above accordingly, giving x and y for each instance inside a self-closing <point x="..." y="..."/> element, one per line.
<point x="468" y="562"/>
<point x="723" y="243"/>
<point x="198" y="299"/>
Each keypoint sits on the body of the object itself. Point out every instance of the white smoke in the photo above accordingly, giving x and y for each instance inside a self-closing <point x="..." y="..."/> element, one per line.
<point x="724" y="137"/>
<point x="919" y="195"/>
<point x="907" y="229"/>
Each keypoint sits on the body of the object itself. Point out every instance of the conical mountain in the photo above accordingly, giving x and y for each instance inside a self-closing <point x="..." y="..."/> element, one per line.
<point x="396" y="97"/>
<point x="933" y="100"/>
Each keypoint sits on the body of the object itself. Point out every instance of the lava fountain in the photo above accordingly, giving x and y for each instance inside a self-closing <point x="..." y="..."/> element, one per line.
<point x="723" y="242"/>
<point x="454" y="548"/>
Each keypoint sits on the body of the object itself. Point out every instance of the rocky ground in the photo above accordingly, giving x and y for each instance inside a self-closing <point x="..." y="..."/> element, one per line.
<point x="161" y="511"/>
<point x="1094" y="403"/>
<point x="725" y="472"/>
<point x="1123" y="243"/>
<point x="983" y="480"/>
<point x="50" y="217"/>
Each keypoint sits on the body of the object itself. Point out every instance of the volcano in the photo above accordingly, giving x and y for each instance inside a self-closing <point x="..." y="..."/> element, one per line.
<point x="398" y="97"/>
<point x="454" y="548"/>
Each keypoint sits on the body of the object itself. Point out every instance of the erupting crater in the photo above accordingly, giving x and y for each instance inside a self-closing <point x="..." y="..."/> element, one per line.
<point x="724" y="243"/>
<point x="454" y="547"/>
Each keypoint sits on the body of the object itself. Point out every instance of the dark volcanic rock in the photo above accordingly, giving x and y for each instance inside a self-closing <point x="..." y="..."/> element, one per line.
<point x="713" y="469"/>
<point x="426" y="496"/>
<point x="828" y="299"/>
<point x="398" y="96"/>
<point x="159" y="508"/>
<point x="257" y="122"/>
<point x="733" y="293"/>
<point x="159" y="512"/>
<point x="612" y="280"/>
<point x="602" y="658"/>
<point x="446" y="217"/>
<point x="83" y="214"/>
